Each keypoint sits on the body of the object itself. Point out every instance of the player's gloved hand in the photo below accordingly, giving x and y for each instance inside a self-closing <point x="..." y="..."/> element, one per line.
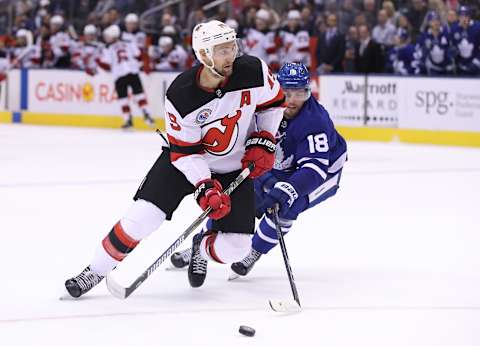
<point x="262" y="186"/>
<point x="90" y="71"/>
<point x="282" y="193"/>
<point x="259" y="149"/>
<point x="208" y="193"/>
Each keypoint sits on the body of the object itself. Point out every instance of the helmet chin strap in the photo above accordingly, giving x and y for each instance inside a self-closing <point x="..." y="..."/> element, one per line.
<point x="212" y="67"/>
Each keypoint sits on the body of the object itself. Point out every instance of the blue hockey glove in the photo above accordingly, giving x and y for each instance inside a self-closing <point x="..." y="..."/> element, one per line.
<point x="282" y="193"/>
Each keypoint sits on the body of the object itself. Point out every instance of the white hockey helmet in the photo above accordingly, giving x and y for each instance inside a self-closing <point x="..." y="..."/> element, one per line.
<point x="44" y="3"/>
<point x="293" y="15"/>
<point x="22" y="33"/>
<point x="90" y="29"/>
<point x="263" y="14"/>
<point x="131" y="18"/>
<point x="205" y="36"/>
<point x="112" y="32"/>
<point x="56" y="20"/>
<point x="165" y="41"/>
<point x="232" y="23"/>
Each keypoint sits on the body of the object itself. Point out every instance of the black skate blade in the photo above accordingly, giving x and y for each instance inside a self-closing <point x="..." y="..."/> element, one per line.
<point x="284" y="305"/>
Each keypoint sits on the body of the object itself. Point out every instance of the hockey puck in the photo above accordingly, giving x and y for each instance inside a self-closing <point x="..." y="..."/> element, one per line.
<point x="246" y="330"/>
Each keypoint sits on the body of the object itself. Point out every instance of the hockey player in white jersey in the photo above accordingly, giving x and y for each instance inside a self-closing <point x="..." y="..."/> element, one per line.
<point x="168" y="56"/>
<point x="132" y="32"/>
<point x="60" y="43"/>
<point x="309" y="160"/>
<point x="221" y="116"/>
<point x="121" y="59"/>
<point x="25" y="54"/>
<point x="295" y="41"/>
<point x="260" y="40"/>
<point x="87" y="52"/>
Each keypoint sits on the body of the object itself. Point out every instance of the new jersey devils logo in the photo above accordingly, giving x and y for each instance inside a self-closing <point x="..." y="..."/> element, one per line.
<point x="221" y="135"/>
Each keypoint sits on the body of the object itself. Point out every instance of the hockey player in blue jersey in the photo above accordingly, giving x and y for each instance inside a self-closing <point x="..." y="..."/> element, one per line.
<point x="401" y="58"/>
<point x="435" y="55"/>
<point x="465" y="36"/>
<point x="309" y="159"/>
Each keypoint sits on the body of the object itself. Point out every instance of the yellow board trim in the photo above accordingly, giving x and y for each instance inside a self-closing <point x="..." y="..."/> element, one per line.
<point x="103" y="121"/>
<point x="5" y="117"/>
<point x="456" y="138"/>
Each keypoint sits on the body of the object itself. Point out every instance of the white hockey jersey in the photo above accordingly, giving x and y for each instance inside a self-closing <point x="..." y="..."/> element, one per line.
<point x="261" y="44"/>
<point x="26" y="57"/>
<point x="85" y="55"/>
<point x="138" y="38"/>
<point x="176" y="59"/>
<point x="60" y="43"/>
<point x="121" y="58"/>
<point x="295" y="46"/>
<point x="207" y="129"/>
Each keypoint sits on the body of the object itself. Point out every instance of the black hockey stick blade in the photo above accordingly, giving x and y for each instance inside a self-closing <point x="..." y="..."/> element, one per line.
<point x="284" y="306"/>
<point x="122" y="292"/>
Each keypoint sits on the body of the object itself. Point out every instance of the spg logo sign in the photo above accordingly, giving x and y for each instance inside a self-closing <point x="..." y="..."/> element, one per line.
<point x="437" y="102"/>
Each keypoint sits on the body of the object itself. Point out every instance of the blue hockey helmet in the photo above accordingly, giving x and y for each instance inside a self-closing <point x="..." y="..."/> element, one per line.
<point x="464" y="11"/>
<point x="294" y="76"/>
<point x="432" y="15"/>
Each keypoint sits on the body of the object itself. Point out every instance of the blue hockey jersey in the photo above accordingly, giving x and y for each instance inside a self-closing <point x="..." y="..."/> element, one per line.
<point x="402" y="60"/>
<point x="309" y="153"/>
<point x="467" y="47"/>
<point x="434" y="52"/>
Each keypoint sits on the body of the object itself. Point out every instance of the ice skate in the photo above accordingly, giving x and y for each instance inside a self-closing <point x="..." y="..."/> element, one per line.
<point x="243" y="267"/>
<point x="197" y="270"/>
<point x="181" y="259"/>
<point x="82" y="283"/>
<point x="128" y="124"/>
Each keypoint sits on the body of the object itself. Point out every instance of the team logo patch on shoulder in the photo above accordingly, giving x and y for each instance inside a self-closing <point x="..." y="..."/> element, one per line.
<point x="203" y="115"/>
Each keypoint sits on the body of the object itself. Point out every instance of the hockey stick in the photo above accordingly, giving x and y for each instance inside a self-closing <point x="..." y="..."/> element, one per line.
<point x="123" y="292"/>
<point x="285" y="306"/>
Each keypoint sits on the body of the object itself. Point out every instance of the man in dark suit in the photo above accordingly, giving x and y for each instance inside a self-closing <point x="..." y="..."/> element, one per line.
<point x="330" y="48"/>
<point x="368" y="53"/>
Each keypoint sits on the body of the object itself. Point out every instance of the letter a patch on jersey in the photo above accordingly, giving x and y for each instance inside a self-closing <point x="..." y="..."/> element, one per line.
<point x="221" y="135"/>
<point x="245" y="98"/>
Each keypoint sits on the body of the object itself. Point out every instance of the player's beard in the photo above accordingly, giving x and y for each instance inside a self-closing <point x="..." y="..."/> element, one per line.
<point x="226" y="70"/>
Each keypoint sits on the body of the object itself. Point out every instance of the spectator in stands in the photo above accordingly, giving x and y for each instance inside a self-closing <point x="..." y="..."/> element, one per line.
<point x="195" y="17"/>
<point x="350" y="44"/>
<point x="308" y="20"/>
<point x="41" y="13"/>
<point x="330" y="48"/>
<point x="384" y="32"/>
<point x="392" y="14"/>
<point x="416" y="15"/>
<point x="360" y="19"/>
<point x="368" y="53"/>
<point x="370" y="12"/>
<point x="346" y="16"/>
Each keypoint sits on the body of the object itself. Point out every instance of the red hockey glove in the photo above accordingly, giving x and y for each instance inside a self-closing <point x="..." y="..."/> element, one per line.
<point x="259" y="149"/>
<point x="209" y="193"/>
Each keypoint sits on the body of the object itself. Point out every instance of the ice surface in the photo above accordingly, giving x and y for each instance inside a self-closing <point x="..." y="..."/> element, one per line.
<point x="393" y="259"/>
